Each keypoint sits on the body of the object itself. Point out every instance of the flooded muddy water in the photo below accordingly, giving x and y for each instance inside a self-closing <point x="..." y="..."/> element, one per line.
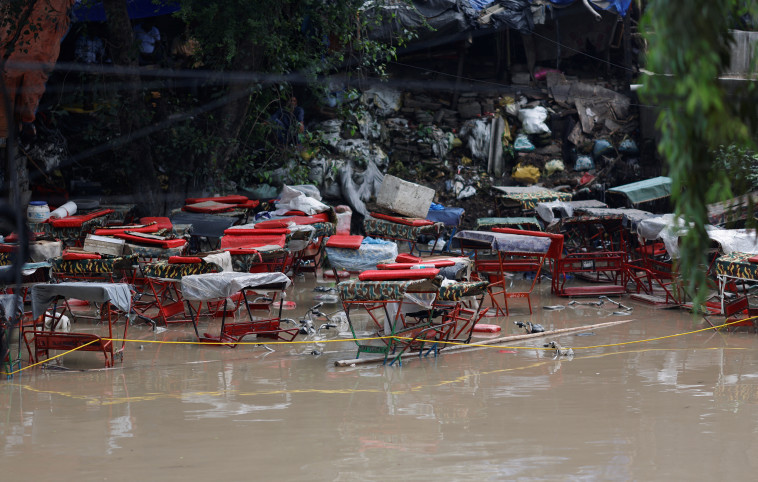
<point x="669" y="408"/>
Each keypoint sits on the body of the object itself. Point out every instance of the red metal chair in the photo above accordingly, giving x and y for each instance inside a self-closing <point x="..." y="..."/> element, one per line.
<point x="40" y="340"/>
<point x="219" y="287"/>
<point x="517" y="251"/>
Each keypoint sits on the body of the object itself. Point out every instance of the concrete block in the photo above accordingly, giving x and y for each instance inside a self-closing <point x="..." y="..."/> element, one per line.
<point x="403" y="197"/>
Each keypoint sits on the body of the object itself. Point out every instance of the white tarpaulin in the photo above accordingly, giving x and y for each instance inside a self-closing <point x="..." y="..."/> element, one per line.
<point x="212" y="286"/>
<point x="669" y="229"/>
<point x="119" y="294"/>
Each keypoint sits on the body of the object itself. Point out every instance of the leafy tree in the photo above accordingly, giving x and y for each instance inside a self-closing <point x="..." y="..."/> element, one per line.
<point x="689" y="50"/>
<point x="251" y="55"/>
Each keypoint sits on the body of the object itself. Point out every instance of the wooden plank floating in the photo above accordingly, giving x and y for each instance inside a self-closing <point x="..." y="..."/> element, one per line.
<point x="493" y="341"/>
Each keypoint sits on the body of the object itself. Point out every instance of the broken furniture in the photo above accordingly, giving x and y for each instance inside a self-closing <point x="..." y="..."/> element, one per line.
<point x="396" y="312"/>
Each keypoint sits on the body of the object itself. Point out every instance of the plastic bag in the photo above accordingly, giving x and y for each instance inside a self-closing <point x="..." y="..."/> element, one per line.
<point x="554" y="166"/>
<point x="467" y="192"/>
<point x="601" y="147"/>
<point x="533" y="120"/>
<point x="523" y="144"/>
<point x="584" y="163"/>
<point x="628" y="146"/>
<point x="526" y="174"/>
<point x="344" y="218"/>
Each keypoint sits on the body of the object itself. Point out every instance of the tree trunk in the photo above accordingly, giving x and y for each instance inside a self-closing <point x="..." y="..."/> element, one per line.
<point x="138" y="155"/>
<point x="234" y="114"/>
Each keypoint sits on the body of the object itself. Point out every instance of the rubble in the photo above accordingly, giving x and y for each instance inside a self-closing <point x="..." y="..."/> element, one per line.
<point x="575" y="134"/>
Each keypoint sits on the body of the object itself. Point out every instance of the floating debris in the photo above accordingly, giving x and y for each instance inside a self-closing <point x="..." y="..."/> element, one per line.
<point x="530" y="327"/>
<point x="559" y="350"/>
<point x="586" y="303"/>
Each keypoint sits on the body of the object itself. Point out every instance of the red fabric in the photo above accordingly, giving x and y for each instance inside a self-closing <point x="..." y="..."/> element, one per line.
<point x="485" y="328"/>
<point x="161" y="222"/>
<point x="12" y="238"/>
<point x="273" y="224"/>
<point x="312" y="219"/>
<point x="216" y="207"/>
<point x="249" y="204"/>
<point x="347" y="241"/>
<point x="399" y="274"/>
<point x="252" y="241"/>
<point x="299" y="220"/>
<point x="254" y="232"/>
<point x="407" y="258"/>
<point x="231" y="199"/>
<point x="8" y="248"/>
<point x="234" y="251"/>
<point x="294" y="213"/>
<point x="161" y="243"/>
<point x="76" y="256"/>
<point x="556" y="247"/>
<point x="399" y="220"/>
<point x="753" y="259"/>
<point x="440" y="263"/>
<point x="78" y="220"/>
<point x="153" y="228"/>
<point x="184" y="260"/>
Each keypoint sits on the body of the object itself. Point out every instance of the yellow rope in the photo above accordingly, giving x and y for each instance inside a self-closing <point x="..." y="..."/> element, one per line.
<point x="51" y="358"/>
<point x="127" y="340"/>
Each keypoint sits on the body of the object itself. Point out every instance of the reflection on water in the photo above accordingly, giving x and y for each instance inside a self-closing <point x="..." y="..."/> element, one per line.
<point x="672" y="408"/>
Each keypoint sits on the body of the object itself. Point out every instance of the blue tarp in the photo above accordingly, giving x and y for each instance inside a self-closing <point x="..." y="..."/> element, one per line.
<point x="91" y="11"/>
<point x="618" y="6"/>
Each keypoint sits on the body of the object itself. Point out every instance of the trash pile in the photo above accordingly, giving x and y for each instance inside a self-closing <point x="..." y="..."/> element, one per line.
<point x="570" y="136"/>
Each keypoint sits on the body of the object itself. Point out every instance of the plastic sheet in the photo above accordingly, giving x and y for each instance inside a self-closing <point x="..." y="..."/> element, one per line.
<point x="118" y="294"/>
<point x="356" y="193"/>
<point x="364" y="150"/>
<point x="309" y="190"/>
<point x="211" y="286"/>
<point x="516" y="14"/>
<point x="294" y="200"/>
<point x="504" y="242"/>
<point x="367" y="256"/>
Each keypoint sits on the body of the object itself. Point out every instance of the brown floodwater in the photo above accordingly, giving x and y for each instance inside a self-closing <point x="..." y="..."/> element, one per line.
<point x="669" y="408"/>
